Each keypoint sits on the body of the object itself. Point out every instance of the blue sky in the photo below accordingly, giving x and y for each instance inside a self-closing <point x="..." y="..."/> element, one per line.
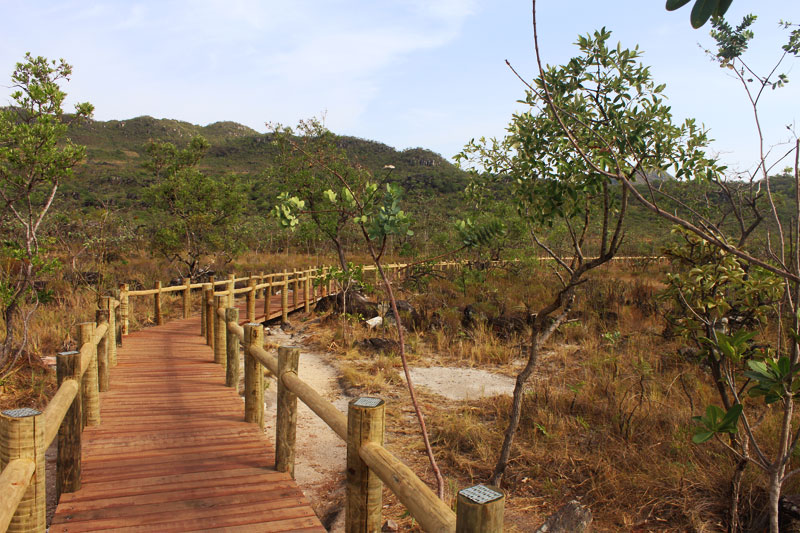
<point x="404" y="72"/>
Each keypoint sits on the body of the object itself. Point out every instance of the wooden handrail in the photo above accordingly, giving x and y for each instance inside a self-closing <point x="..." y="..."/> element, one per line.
<point x="16" y="477"/>
<point x="432" y="513"/>
<point x="14" y="481"/>
<point x="57" y="408"/>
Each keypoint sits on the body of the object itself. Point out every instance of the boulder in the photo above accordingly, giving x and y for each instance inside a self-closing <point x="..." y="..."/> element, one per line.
<point x="572" y="517"/>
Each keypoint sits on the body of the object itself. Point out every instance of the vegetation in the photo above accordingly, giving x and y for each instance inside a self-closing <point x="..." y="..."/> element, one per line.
<point x="34" y="160"/>
<point x="687" y="370"/>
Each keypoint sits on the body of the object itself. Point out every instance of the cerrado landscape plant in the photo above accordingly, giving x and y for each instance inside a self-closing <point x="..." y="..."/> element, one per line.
<point x="35" y="158"/>
<point x="772" y="373"/>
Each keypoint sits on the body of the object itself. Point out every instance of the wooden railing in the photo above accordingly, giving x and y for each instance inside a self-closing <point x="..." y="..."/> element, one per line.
<point x="25" y="434"/>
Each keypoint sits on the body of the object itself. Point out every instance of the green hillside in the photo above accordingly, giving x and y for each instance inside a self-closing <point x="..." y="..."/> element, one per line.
<point x="114" y="170"/>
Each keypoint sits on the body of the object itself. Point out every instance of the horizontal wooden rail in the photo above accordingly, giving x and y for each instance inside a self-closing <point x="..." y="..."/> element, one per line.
<point x="333" y="417"/>
<point x="28" y="433"/>
<point x="14" y="481"/>
<point x="432" y="513"/>
<point x="57" y="408"/>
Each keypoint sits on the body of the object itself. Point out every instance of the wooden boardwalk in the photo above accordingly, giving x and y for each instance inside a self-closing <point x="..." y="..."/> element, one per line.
<point x="173" y="452"/>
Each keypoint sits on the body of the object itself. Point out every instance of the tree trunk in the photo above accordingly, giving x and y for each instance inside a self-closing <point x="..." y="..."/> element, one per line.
<point x="774" y="499"/>
<point x="516" y="407"/>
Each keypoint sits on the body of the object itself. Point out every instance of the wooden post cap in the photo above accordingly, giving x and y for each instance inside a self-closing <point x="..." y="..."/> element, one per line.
<point x="480" y="508"/>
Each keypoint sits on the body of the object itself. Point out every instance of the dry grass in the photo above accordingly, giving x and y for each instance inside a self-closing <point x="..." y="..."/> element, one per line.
<point x="606" y="418"/>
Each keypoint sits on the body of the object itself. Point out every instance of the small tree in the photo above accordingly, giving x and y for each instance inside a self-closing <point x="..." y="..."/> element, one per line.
<point x="376" y="214"/>
<point x="35" y="157"/>
<point x="310" y="163"/>
<point x="621" y="129"/>
<point x="196" y="214"/>
<point x="772" y="371"/>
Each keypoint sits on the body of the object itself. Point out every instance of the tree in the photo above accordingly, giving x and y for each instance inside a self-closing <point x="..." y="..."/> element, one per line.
<point x="35" y="158"/>
<point x="197" y="215"/>
<point x="622" y="129"/>
<point x="376" y="214"/>
<point x="310" y="164"/>
<point x="771" y="374"/>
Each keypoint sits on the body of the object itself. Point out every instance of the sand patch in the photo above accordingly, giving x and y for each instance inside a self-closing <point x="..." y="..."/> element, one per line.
<point x="462" y="383"/>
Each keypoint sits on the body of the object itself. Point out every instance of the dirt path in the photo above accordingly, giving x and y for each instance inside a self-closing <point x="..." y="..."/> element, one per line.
<point x="321" y="455"/>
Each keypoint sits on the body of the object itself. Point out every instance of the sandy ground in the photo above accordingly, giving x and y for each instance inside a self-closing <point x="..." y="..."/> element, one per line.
<point x="320" y="454"/>
<point x="461" y="383"/>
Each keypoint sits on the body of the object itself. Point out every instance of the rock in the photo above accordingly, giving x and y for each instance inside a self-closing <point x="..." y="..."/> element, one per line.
<point x="374" y="322"/>
<point x="572" y="517"/>
<point x="286" y="326"/>
<point x="789" y="509"/>
<point x="390" y="525"/>
<point x="380" y="344"/>
<point x="267" y="331"/>
<point x="357" y="304"/>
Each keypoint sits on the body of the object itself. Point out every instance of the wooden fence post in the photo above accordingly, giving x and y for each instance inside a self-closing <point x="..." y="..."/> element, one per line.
<point x="260" y="292"/>
<point x="208" y="296"/>
<point x="295" y="287"/>
<point x="220" y="331"/>
<point x="68" y="469"/>
<point x="187" y="297"/>
<point x="108" y="305"/>
<point x="232" y="351"/>
<point x="101" y="317"/>
<point x="285" y="298"/>
<point x="480" y="510"/>
<point x="158" y="317"/>
<point x="22" y="437"/>
<point x="124" y="310"/>
<point x="231" y="286"/>
<point x="251" y="301"/>
<point x="204" y="296"/>
<point x="365" y="423"/>
<point x="307" y="295"/>
<point x="286" y="423"/>
<point x="267" y="300"/>
<point x="91" y="392"/>
<point x="253" y="376"/>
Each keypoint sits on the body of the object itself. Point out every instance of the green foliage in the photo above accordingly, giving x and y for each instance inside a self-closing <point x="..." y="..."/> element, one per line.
<point x="702" y="10"/>
<point x="35" y="157"/>
<point x="198" y="214"/>
<point x="712" y="287"/>
<point x="336" y="193"/>
<point x="473" y="236"/>
<point x="716" y="421"/>
<point x="773" y="379"/>
<point x="614" y="111"/>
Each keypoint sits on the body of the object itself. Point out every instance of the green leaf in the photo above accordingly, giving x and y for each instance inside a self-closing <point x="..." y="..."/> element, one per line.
<point x="722" y="8"/>
<point x="702" y="11"/>
<point x="672" y="5"/>
<point x="702" y="436"/>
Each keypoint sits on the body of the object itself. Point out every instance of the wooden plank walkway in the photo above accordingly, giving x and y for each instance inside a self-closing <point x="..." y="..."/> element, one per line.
<point x="172" y="452"/>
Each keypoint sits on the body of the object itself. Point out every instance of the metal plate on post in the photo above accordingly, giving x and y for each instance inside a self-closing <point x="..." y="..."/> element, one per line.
<point x="366" y="401"/>
<point x="480" y="494"/>
<point x="21" y="413"/>
<point x="71" y="352"/>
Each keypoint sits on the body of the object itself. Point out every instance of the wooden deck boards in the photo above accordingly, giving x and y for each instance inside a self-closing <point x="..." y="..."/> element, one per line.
<point x="172" y="452"/>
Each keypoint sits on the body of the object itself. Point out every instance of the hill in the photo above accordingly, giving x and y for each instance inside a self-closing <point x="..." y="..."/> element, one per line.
<point x="114" y="170"/>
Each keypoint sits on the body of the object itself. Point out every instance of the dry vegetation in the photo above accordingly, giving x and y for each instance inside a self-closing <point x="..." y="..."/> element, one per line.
<point x="606" y="419"/>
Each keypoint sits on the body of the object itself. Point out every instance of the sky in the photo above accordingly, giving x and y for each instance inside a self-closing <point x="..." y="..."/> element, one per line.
<point x="407" y="73"/>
